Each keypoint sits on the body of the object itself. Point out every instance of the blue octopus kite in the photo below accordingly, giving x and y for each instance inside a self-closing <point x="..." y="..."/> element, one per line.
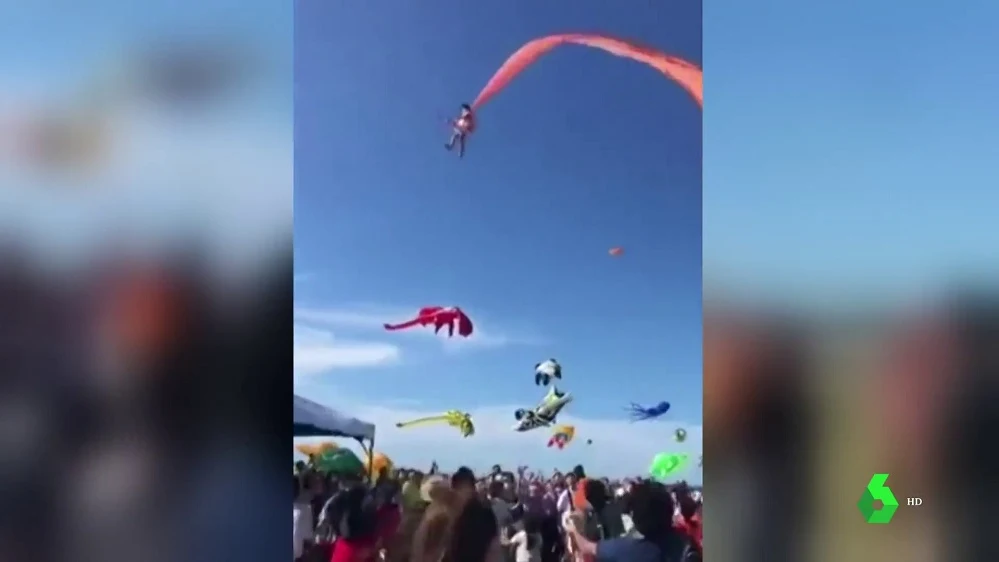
<point x="640" y="413"/>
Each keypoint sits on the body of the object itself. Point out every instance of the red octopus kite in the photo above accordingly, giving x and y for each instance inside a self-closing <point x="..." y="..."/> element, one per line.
<point x="439" y="316"/>
<point x="686" y="74"/>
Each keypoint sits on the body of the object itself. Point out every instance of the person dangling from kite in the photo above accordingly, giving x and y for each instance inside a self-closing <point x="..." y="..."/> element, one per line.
<point x="463" y="126"/>
<point x="439" y="317"/>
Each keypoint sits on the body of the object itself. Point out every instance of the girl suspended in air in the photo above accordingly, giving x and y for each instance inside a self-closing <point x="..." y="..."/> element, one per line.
<point x="464" y="125"/>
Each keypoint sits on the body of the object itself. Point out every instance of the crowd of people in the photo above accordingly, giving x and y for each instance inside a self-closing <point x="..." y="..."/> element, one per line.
<point x="408" y="515"/>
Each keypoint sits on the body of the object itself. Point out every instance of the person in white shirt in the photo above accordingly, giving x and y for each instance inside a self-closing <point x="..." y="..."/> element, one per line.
<point x="565" y="510"/>
<point x="565" y="499"/>
<point x="297" y="544"/>
<point x="303" y="533"/>
<point x="527" y="542"/>
<point x="565" y="507"/>
<point x="564" y="502"/>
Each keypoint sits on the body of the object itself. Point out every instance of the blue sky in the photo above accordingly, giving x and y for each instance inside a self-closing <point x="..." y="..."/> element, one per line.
<point x="581" y="153"/>
<point x="221" y="175"/>
<point x="849" y="147"/>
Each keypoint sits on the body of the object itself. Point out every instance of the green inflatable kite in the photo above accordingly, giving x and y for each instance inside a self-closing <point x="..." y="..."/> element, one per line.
<point x="665" y="465"/>
<point x="339" y="461"/>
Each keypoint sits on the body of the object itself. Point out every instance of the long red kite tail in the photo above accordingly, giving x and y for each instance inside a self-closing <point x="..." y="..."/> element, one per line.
<point x="404" y="325"/>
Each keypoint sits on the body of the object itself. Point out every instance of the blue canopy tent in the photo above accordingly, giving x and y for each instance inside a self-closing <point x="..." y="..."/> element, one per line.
<point x="313" y="419"/>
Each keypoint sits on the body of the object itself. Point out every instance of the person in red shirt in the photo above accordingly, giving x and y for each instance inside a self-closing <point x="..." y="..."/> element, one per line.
<point x="355" y="549"/>
<point x="388" y="518"/>
<point x="688" y="521"/>
<point x="691" y="528"/>
<point x="365" y="532"/>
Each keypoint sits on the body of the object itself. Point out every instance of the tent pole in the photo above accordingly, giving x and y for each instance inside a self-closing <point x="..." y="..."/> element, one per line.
<point x="370" y="451"/>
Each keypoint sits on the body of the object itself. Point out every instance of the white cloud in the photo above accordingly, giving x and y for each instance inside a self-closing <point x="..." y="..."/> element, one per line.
<point x="484" y="339"/>
<point x="619" y="448"/>
<point x="318" y="351"/>
<point x="320" y="358"/>
<point x="373" y="318"/>
<point x="365" y="320"/>
<point x="165" y="183"/>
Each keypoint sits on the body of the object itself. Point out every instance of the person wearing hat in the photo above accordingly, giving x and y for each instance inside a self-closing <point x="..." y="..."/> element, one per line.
<point x="433" y="532"/>
<point x="419" y="493"/>
<point x="411" y="488"/>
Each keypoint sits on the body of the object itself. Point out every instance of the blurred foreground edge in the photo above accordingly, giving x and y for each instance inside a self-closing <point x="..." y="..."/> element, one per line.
<point x="802" y="409"/>
<point x="144" y="412"/>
